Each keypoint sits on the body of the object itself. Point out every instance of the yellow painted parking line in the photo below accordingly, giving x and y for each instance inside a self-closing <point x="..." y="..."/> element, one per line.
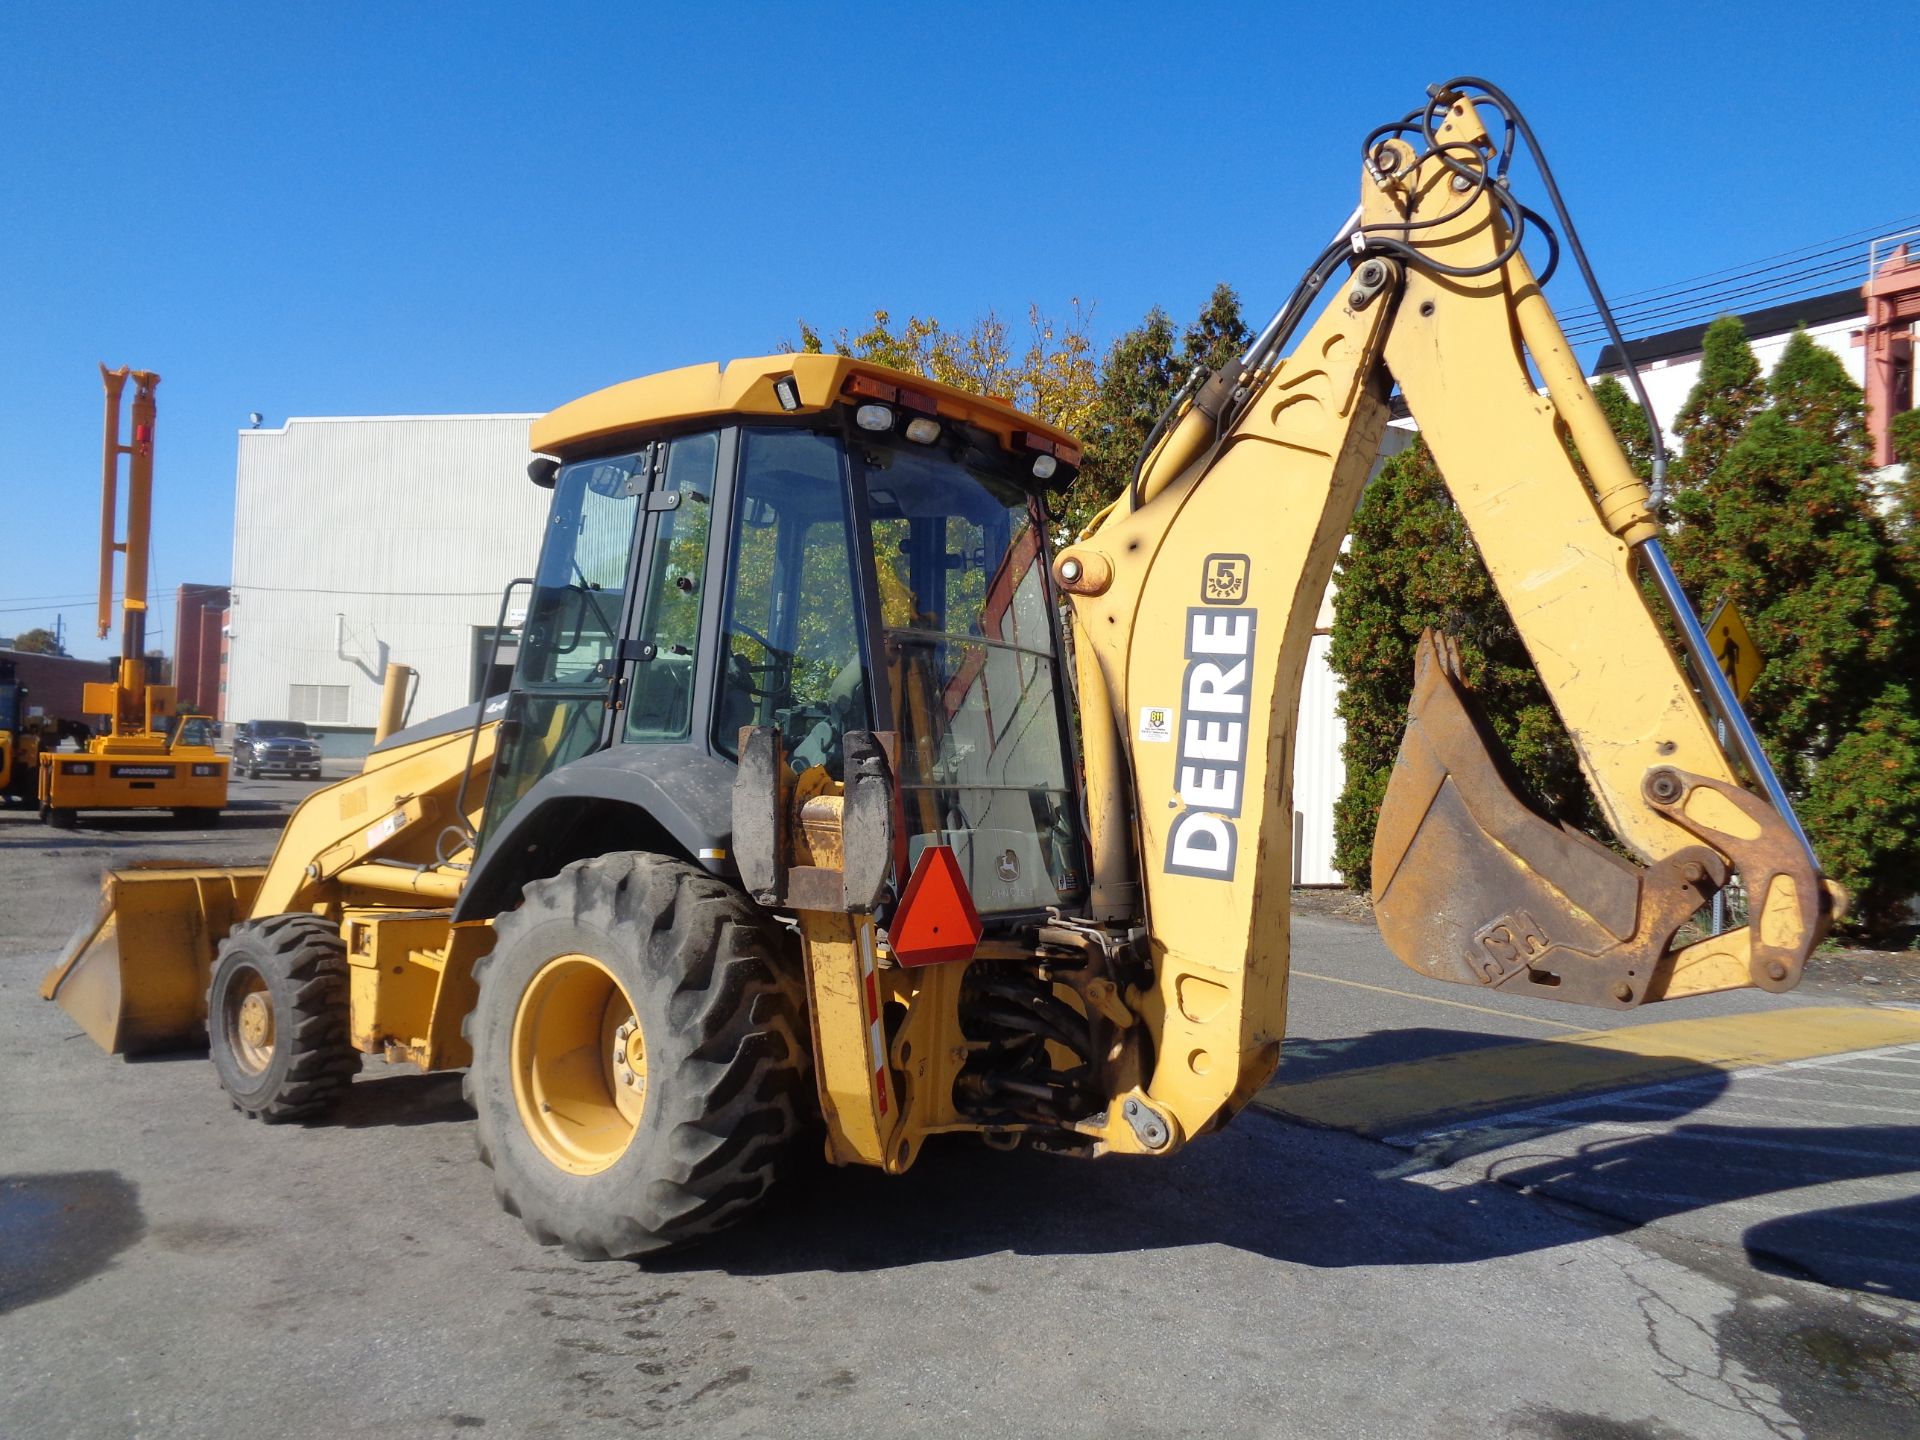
<point x="1389" y="1099"/>
<point x="1436" y="1000"/>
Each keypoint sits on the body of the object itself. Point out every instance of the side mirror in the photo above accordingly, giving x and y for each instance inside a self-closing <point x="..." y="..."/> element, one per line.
<point x="867" y="828"/>
<point x="760" y="788"/>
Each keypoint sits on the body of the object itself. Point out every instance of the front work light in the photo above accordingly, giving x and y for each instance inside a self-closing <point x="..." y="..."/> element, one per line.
<point x="873" y="417"/>
<point x="1044" y="466"/>
<point x="923" y="431"/>
<point x="787" y="391"/>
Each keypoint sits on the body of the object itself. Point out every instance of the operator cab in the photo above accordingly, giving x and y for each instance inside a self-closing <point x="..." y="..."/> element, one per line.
<point x="829" y="547"/>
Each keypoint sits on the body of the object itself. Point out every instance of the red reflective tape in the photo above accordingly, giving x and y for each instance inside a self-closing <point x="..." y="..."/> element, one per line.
<point x="880" y="1087"/>
<point x="873" y="994"/>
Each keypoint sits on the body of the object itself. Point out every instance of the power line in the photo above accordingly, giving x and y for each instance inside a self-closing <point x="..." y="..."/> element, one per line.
<point x="1707" y="294"/>
<point x="1749" y="266"/>
<point x="1804" y="272"/>
<point x="1679" y="316"/>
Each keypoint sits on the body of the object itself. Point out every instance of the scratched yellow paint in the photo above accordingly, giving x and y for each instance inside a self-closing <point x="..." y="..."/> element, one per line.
<point x="1389" y="1099"/>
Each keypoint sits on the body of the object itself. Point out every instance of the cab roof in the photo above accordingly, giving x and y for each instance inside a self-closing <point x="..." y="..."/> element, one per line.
<point x="634" y="408"/>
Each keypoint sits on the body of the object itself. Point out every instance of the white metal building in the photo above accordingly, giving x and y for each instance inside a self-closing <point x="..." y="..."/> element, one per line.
<point x="361" y="539"/>
<point x="1669" y="363"/>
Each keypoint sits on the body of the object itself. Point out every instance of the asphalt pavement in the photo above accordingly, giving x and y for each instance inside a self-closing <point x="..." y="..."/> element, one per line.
<point x="1458" y="1214"/>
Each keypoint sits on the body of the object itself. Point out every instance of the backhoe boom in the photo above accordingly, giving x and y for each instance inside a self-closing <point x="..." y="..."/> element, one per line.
<point x="1194" y="598"/>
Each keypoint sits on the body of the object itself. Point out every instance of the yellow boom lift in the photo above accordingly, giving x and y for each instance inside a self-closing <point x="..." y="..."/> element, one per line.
<point x="784" y="815"/>
<point x="151" y="757"/>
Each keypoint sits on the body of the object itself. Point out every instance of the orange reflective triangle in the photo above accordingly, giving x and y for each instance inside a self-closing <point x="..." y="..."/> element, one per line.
<point x="936" y="920"/>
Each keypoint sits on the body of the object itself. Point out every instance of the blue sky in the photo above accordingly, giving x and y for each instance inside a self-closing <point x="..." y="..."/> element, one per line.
<point x="403" y="209"/>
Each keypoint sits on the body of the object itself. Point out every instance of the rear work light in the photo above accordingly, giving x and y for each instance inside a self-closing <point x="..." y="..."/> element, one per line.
<point x="873" y="417"/>
<point x="76" y="767"/>
<point x="787" y="391"/>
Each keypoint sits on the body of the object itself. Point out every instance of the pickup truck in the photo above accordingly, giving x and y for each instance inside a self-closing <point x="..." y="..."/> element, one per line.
<point x="276" y="747"/>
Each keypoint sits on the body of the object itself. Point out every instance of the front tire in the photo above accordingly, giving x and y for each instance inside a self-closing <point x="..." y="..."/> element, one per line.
<point x="277" y="1017"/>
<point x="640" y="1056"/>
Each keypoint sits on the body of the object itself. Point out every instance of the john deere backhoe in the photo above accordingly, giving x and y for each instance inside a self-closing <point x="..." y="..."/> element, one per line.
<point x="785" y="815"/>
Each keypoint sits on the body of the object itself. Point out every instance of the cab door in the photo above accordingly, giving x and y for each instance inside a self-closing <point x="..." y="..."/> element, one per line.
<point x="610" y="652"/>
<point x="564" y="677"/>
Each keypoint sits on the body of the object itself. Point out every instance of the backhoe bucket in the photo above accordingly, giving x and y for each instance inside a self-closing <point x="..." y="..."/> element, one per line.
<point x="135" y="976"/>
<point x="1471" y="885"/>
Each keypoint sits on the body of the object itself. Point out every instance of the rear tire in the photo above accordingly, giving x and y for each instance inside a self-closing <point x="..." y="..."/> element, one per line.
<point x="661" y="947"/>
<point x="277" y="1017"/>
<point x="60" y="819"/>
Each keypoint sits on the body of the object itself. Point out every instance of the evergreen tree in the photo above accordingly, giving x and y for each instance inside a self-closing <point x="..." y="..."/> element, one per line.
<point x="1863" y="813"/>
<point x="1784" y="526"/>
<point x="1629" y="424"/>
<point x="1726" y="397"/>
<point x="1218" y="333"/>
<point x="1411" y="564"/>
<point x="1138" y="378"/>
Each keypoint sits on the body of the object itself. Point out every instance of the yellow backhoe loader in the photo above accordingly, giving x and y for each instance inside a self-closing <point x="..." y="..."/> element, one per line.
<point x="786" y="818"/>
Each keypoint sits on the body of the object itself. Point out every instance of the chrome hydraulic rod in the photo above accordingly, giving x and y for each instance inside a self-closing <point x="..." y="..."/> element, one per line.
<point x="1719" y="690"/>
<point x="1280" y="317"/>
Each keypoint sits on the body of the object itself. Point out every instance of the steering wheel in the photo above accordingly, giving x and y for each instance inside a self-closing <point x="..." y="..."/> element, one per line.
<point x="768" y="680"/>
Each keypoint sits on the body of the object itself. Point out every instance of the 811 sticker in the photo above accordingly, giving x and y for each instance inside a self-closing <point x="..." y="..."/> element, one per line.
<point x="1156" y="724"/>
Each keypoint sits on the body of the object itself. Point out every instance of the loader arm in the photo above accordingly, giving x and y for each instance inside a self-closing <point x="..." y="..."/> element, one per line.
<point x="1194" y="598"/>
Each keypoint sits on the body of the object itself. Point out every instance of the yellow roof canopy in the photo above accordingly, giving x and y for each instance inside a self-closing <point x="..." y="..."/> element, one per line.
<point x="634" y="408"/>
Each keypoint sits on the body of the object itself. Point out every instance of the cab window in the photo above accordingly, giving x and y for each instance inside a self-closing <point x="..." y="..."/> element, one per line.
<point x="793" y="647"/>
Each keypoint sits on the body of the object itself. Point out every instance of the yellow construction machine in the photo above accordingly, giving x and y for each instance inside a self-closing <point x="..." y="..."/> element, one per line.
<point x="787" y="818"/>
<point x="151" y="756"/>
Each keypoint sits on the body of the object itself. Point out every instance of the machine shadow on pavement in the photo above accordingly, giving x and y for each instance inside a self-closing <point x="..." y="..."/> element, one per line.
<point x="1303" y="1058"/>
<point x="1317" y="1198"/>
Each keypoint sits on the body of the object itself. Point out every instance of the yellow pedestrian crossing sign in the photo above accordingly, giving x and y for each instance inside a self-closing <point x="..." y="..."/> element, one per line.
<point x="1733" y="648"/>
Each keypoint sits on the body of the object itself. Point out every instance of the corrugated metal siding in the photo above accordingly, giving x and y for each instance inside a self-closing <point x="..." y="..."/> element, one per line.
<point x="406" y="528"/>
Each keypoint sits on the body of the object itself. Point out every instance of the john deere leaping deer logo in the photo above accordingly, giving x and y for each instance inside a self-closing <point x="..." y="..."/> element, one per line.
<point x="1225" y="580"/>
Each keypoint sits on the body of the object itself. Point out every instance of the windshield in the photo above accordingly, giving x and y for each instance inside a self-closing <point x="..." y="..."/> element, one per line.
<point x="570" y="642"/>
<point x="969" y="644"/>
<point x="277" y="730"/>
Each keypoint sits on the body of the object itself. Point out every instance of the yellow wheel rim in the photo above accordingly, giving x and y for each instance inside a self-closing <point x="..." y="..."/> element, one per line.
<point x="250" y="1022"/>
<point x="579" y="1064"/>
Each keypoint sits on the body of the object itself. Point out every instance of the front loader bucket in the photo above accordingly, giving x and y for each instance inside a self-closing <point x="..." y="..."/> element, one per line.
<point x="1471" y="885"/>
<point x="135" y="976"/>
